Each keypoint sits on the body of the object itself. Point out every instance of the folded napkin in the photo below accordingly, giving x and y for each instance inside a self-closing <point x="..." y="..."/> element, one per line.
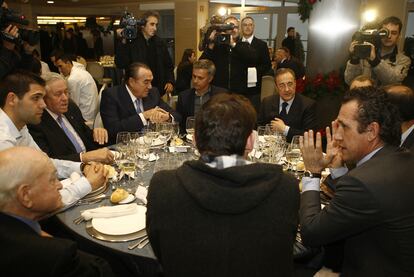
<point x="110" y="211"/>
<point x="141" y="194"/>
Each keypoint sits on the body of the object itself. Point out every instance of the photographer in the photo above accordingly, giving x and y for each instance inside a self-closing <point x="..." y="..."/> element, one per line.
<point x="138" y="43"/>
<point x="8" y="54"/>
<point x="231" y="57"/>
<point x="382" y="63"/>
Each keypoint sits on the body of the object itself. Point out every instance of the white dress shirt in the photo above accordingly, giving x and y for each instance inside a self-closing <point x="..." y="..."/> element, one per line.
<point x="10" y="136"/>
<point x="83" y="91"/>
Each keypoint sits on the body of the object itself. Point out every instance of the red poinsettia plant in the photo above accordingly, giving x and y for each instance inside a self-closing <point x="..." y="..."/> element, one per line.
<point x="304" y="8"/>
<point x="322" y="84"/>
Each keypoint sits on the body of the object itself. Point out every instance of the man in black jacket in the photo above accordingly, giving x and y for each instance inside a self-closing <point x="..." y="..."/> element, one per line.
<point x="262" y="64"/>
<point x="372" y="209"/>
<point x="149" y="49"/>
<point x="226" y="215"/>
<point x="231" y="59"/>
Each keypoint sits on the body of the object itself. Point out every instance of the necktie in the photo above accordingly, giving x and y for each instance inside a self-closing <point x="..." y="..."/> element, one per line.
<point x="283" y="112"/>
<point x="70" y="136"/>
<point x="138" y="106"/>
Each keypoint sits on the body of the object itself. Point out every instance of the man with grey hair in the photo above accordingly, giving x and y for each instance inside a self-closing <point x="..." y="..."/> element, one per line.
<point x="29" y="191"/>
<point x="191" y="100"/>
<point x="62" y="132"/>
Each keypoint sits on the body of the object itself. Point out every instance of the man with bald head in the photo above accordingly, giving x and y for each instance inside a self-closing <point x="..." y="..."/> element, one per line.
<point x="29" y="191"/>
<point x="403" y="98"/>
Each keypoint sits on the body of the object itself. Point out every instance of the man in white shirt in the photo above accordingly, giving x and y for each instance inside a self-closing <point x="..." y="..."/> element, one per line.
<point x="82" y="87"/>
<point x="21" y="101"/>
<point x="403" y="98"/>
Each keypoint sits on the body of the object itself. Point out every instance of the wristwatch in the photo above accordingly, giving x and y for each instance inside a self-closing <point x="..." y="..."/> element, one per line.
<point x="312" y="175"/>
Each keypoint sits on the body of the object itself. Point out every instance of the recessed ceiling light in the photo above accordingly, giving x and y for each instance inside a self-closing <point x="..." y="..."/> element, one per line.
<point x="50" y="2"/>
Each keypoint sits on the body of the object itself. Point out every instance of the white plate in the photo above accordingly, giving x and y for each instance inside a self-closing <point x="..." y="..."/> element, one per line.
<point x="189" y="137"/>
<point x="157" y="142"/>
<point x="121" y="225"/>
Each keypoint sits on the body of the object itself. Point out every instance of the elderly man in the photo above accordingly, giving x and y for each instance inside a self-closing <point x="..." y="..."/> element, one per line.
<point x="218" y="203"/>
<point x="288" y="113"/>
<point x="21" y="101"/>
<point x="82" y="87"/>
<point x="361" y="81"/>
<point x="372" y="209"/>
<point x="384" y="65"/>
<point x="62" y="132"/>
<point x="29" y="191"/>
<point x="403" y="98"/>
<point x="191" y="100"/>
<point x="131" y="106"/>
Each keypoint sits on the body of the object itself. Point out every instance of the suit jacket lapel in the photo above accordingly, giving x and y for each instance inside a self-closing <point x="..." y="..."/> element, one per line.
<point x="56" y="130"/>
<point x="125" y="100"/>
<point x="409" y="141"/>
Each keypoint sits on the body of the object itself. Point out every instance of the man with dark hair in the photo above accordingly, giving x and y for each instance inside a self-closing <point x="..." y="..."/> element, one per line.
<point x="285" y="60"/>
<point x="62" y="132"/>
<point x="262" y="64"/>
<point x="231" y="58"/>
<point x="385" y="65"/>
<point x="29" y="191"/>
<point x="191" y="100"/>
<point x="372" y="209"/>
<point x="82" y="87"/>
<point x="21" y="100"/>
<point x="403" y="98"/>
<point x="289" y="113"/>
<point x="294" y="44"/>
<point x="149" y="49"/>
<point x="130" y="106"/>
<point x="218" y="203"/>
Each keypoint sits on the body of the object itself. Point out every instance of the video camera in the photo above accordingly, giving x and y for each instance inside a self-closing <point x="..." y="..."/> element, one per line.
<point x="374" y="36"/>
<point x="8" y="17"/>
<point x="216" y="24"/>
<point x="130" y="25"/>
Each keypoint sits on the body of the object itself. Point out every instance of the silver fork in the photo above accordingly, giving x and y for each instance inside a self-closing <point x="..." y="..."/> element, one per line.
<point x="140" y="244"/>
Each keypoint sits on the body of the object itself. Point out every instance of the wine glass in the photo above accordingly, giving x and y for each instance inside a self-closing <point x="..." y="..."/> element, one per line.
<point x="293" y="154"/>
<point x="165" y="130"/>
<point x="122" y="140"/>
<point x="142" y="152"/>
<point x="189" y="126"/>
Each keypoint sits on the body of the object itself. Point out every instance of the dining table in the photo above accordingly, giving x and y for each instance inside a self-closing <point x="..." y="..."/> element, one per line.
<point x="138" y="261"/>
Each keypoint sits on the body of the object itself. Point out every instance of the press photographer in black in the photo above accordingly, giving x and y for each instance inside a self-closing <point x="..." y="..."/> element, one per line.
<point x="137" y="42"/>
<point x="230" y="55"/>
<point x="9" y="58"/>
<point x="374" y="53"/>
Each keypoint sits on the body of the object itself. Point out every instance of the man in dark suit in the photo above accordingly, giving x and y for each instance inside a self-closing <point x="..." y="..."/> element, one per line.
<point x="288" y="113"/>
<point x="262" y="64"/>
<point x="285" y="60"/>
<point x="403" y="98"/>
<point x="372" y="209"/>
<point x="62" y="132"/>
<point x="191" y="100"/>
<point x="29" y="191"/>
<point x="130" y="106"/>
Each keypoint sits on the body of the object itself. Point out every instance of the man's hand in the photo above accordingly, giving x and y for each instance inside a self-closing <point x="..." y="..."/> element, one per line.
<point x="96" y="175"/>
<point x="102" y="155"/>
<point x="11" y="31"/>
<point x="100" y="135"/>
<point x="373" y="50"/>
<point x="278" y="125"/>
<point x="333" y="151"/>
<point x="168" y="88"/>
<point x="157" y="115"/>
<point x="312" y="154"/>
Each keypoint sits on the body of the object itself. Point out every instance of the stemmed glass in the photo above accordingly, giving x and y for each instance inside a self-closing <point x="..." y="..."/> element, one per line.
<point x="293" y="154"/>
<point x="165" y="130"/>
<point x="142" y="152"/>
<point x="189" y="126"/>
<point x="122" y="141"/>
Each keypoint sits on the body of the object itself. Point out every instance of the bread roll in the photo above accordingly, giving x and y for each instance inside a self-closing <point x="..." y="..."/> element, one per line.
<point x="119" y="195"/>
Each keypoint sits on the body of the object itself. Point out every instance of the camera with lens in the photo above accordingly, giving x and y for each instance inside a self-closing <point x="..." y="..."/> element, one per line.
<point x="216" y="24"/>
<point x="9" y="17"/>
<point x="374" y="36"/>
<point x="130" y="25"/>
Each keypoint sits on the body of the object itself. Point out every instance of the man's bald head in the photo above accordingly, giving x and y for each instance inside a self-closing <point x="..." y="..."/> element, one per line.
<point x="28" y="184"/>
<point x="403" y="97"/>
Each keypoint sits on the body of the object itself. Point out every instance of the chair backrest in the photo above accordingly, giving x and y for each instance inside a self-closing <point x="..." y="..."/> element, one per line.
<point x="95" y="69"/>
<point x="268" y="87"/>
<point x="98" y="119"/>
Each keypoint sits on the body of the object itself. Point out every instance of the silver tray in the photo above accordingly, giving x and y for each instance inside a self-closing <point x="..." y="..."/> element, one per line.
<point x="112" y="238"/>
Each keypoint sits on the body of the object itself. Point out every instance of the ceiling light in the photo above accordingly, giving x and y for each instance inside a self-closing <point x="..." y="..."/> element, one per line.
<point x="51" y="2"/>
